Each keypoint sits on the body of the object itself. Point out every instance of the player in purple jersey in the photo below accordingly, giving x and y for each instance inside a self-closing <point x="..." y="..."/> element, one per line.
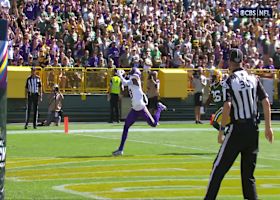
<point x="139" y="105"/>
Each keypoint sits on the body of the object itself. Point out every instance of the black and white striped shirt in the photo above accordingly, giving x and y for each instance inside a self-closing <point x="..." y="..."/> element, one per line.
<point x="243" y="90"/>
<point x="33" y="84"/>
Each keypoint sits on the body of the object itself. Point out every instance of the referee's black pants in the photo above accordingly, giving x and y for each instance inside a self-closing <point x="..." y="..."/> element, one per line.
<point x="242" y="138"/>
<point x="32" y="99"/>
<point x="114" y="107"/>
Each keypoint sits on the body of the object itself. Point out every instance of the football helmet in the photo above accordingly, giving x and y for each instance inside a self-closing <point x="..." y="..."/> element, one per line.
<point x="135" y="72"/>
<point x="216" y="76"/>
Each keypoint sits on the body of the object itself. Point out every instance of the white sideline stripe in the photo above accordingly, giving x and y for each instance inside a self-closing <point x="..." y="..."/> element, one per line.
<point x="115" y="130"/>
<point x="118" y="130"/>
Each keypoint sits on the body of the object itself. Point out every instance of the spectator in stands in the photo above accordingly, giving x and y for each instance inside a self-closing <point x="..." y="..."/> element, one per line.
<point x="270" y="64"/>
<point x="94" y="60"/>
<point x="20" y="61"/>
<point x="260" y="65"/>
<point x="30" y="61"/>
<point x="85" y="59"/>
<point x="71" y="59"/>
<point x="125" y="59"/>
<point x="114" y="53"/>
<point x="276" y="58"/>
<point x="135" y="58"/>
<point x="102" y="61"/>
<point x="172" y="31"/>
<point x="178" y="60"/>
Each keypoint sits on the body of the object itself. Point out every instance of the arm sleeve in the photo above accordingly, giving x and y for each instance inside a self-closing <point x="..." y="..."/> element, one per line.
<point x="39" y="82"/>
<point x="261" y="93"/>
<point x="227" y="90"/>
<point x="26" y="84"/>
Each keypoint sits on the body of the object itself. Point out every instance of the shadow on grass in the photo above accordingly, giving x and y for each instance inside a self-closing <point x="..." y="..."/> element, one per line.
<point x="187" y="154"/>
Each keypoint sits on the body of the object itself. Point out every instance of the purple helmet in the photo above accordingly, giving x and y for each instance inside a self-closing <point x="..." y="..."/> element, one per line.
<point x="135" y="71"/>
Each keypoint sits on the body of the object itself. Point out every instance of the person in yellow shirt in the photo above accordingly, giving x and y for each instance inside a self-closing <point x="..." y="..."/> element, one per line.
<point x="114" y="97"/>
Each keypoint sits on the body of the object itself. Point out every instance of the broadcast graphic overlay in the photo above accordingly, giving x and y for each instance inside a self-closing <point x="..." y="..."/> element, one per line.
<point x="256" y="12"/>
<point x="3" y="101"/>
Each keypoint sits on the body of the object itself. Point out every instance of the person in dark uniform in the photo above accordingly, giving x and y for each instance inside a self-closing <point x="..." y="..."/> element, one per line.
<point x="153" y="84"/>
<point x="242" y="91"/>
<point x="33" y="93"/>
<point x="114" y="96"/>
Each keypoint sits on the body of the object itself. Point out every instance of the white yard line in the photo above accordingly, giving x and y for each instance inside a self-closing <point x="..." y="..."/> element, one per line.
<point x="113" y="130"/>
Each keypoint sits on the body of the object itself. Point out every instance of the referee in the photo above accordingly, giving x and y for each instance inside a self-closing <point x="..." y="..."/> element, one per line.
<point x="33" y="91"/>
<point x="242" y="91"/>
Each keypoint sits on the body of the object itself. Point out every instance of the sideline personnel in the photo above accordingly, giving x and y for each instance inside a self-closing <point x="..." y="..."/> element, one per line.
<point x="153" y="84"/>
<point x="33" y="91"/>
<point x="242" y="93"/>
<point x="199" y="82"/>
<point x="114" y="97"/>
<point x="55" y="106"/>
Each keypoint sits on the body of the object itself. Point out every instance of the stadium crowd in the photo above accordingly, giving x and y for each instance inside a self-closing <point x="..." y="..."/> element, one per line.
<point x="139" y="33"/>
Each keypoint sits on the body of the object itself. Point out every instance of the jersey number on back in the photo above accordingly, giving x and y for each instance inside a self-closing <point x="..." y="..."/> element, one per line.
<point x="244" y="84"/>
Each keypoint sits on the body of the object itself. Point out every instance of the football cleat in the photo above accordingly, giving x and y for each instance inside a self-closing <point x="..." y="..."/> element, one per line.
<point x="162" y="106"/>
<point x="117" y="153"/>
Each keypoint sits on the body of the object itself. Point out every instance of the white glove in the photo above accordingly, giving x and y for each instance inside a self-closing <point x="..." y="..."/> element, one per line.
<point x="120" y="72"/>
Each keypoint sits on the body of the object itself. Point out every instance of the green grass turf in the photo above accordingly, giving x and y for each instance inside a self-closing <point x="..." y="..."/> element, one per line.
<point x="164" y="164"/>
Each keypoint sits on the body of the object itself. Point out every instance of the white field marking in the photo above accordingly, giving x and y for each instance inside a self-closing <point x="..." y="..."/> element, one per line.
<point x="145" y="142"/>
<point x="270" y="185"/>
<point x="114" y="130"/>
<point x="162" y="187"/>
<point x="169" y="145"/>
<point x="173" y="187"/>
<point x="119" y="130"/>
<point x="193" y="130"/>
<point x="88" y="195"/>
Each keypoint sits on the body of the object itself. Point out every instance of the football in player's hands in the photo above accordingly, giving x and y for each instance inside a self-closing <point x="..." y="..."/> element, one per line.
<point x="121" y="72"/>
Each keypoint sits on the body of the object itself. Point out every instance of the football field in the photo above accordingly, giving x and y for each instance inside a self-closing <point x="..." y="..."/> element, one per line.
<point x="172" y="161"/>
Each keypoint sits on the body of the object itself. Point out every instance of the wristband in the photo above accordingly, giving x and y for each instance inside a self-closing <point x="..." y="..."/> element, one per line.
<point x="222" y="128"/>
